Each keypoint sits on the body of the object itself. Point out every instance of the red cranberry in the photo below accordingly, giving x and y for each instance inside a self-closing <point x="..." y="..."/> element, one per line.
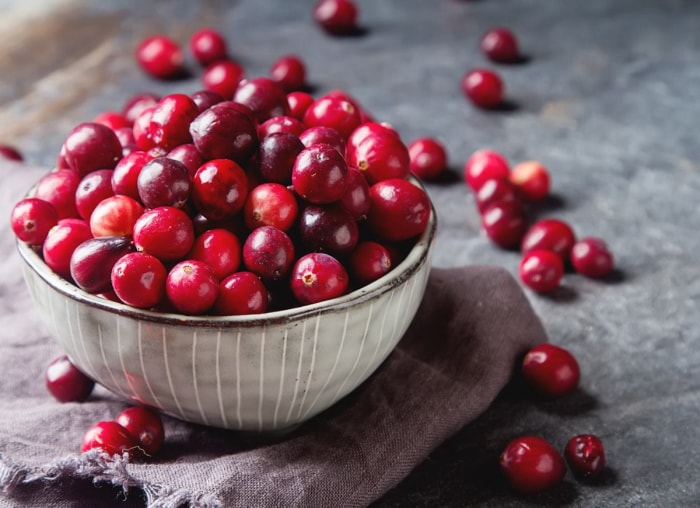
<point x="483" y="87"/>
<point x="500" y="45"/>
<point x="218" y="248"/>
<point x="163" y="182"/>
<point x="495" y="190"/>
<point x="223" y="78"/>
<point x="60" y="243"/>
<point x="145" y="426"/>
<point x="585" y="455"/>
<point x="188" y="155"/>
<point x="93" y="188"/>
<point x="532" y="180"/>
<point x="142" y="130"/>
<point x="241" y="293"/>
<point x="531" y="465"/>
<point x="10" y="153"/>
<point x="92" y="261"/>
<point x="268" y="252"/>
<point x="365" y="130"/>
<point x="328" y="228"/>
<point x="138" y="280"/>
<point x="399" y="210"/>
<point x="59" y="188"/>
<point x="356" y="198"/>
<point x="290" y="72"/>
<point x="298" y="103"/>
<point x="549" y="234"/>
<point x="225" y="131"/>
<point x="164" y="232"/>
<point x="220" y="188"/>
<point x="335" y="112"/>
<point x="115" y="216"/>
<point x="316" y="277"/>
<point x="32" y="219"/>
<point x="109" y="437"/>
<point x="504" y="223"/>
<point x="265" y="97"/>
<point x="271" y="204"/>
<point x="591" y="257"/>
<point x="369" y="261"/>
<point x="126" y="172"/>
<point x="551" y="371"/>
<point x="137" y="104"/>
<point x="428" y="158"/>
<point x="276" y="124"/>
<point x="336" y="17"/>
<point x="380" y="156"/>
<point x="204" y="99"/>
<point x="161" y="57"/>
<point x="208" y="46"/>
<point x="276" y="156"/>
<point x="91" y="146"/>
<point x="322" y="134"/>
<point x="485" y="165"/>
<point x="66" y="382"/>
<point x="320" y="174"/>
<point x="113" y="120"/>
<point x="541" y="270"/>
<point x="192" y="287"/>
<point x="170" y="121"/>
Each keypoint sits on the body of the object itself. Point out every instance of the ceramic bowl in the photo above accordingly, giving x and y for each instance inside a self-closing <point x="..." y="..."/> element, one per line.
<point x="254" y="373"/>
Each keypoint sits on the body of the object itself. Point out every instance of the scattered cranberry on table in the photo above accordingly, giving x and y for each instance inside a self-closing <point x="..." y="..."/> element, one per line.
<point x="223" y="78"/>
<point x="591" y="257"/>
<point x="531" y="465"/>
<point x="484" y="165"/>
<point x="550" y="371"/>
<point x="428" y="158"/>
<point x="531" y="179"/>
<point x="585" y="455"/>
<point x="550" y="234"/>
<point x="500" y="45"/>
<point x="208" y="46"/>
<point x="109" y="437"/>
<point x="337" y="17"/>
<point x="290" y="72"/>
<point x="541" y="270"/>
<point x="484" y="88"/>
<point x="66" y="382"/>
<point x="10" y="153"/>
<point x="161" y="57"/>
<point x="145" y="426"/>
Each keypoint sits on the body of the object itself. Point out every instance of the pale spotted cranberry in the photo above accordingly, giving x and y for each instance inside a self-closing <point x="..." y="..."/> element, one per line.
<point x="485" y="165"/>
<point x="290" y="72"/>
<point x="138" y="279"/>
<point x="165" y="232"/>
<point x="483" y="87"/>
<point x="220" y="188"/>
<point x="223" y="78"/>
<point x="92" y="261"/>
<point x="115" y="216"/>
<point x="161" y="57"/>
<point x="60" y="243"/>
<point x="271" y="204"/>
<point x="399" y="210"/>
<point x="208" y="46"/>
<point x="32" y="219"/>
<point x="585" y="455"/>
<point x="265" y="97"/>
<point x="531" y="465"/>
<point x="550" y="371"/>
<point x="317" y="277"/>
<point x="145" y="426"/>
<point x="242" y="293"/>
<point x="109" y="437"/>
<point x="428" y="158"/>
<point x="298" y="103"/>
<point x="337" y="17"/>
<point x="531" y="179"/>
<point x="369" y="261"/>
<point x="220" y="249"/>
<point x="59" y="188"/>
<point x="541" y="270"/>
<point x="66" y="382"/>
<point x="591" y="257"/>
<point x="501" y="45"/>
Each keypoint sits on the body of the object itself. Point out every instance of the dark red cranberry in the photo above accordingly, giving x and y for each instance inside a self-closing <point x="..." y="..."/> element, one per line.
<point x="380" y="156"/>
<point x="585" y="455"/>
<point x="163" y="182"/>
<point x="500" y="45"/>
<point x="317" y="277"/>
<point x="428" y="158"/>
<point x="531" y="465"/>
<point x="92" y="261"/>
<point x="531" y="179"/>
<point x="31" y="220"/>
<point x="145" y="426"/>
<point x="356" y="198"/>
<point x="138" y="279"/>
<point x="483" y="87"/>
<point x="591" y="257"/>
<point x="220" y="188"/>
<point x="271" y="204"/>
<point x="541" y="270"/>
<point x="66" y="382"/>
<point x="225" y="131"/>
<point x="265" y="97"/>
<point x="218" y="248"/>
<point x="275" y="124"/>
<point x="328" y="228"/>
<point x="369" y="261"/>
<point x="322" y="134"/>
<point x="289" y="71"/>
<point x="504" y="223"/>
<point x="485" y="165"/>
<point x="495" y="190"/>
<point x="138" y="103"/>
<point x="91" y="146"/>
<point x="115" y="216"/>
<point x="188" y="155"/>
<point x="10" y="153"/>
<point x="191" y="287"/>
<point x="223" y="78"/>
<point x="109" y="437"/>
<point x="298" y="103"/>
<point x="268" y="252"/>
<point x="550" y="371"/>
<point x="336" y="17"/>
<point x="164" y="232"/>
<point x="170" y="121"/>
<point x="59" y="188"/>
<point x="399" y="210"/>
<point x="161" y="57"/>
<point x="204" y="99"/>
<point x="208" y="46"/>
<point x="241" y="293"/>
<point x="335" y="112"/>
<point x="276" y="156"/>
<point x="126" y="173"/>
<point x="112" y="119"/>
<point x="549" y="234"/>
<point x="320" y="174"/>
<point x="61" y="241"/>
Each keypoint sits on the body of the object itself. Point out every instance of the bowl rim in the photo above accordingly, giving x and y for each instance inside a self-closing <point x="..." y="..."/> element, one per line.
<point x="416" y="257"/>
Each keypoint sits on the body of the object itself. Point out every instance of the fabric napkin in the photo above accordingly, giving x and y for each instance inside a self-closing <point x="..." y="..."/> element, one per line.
<point x="473" y="325"/>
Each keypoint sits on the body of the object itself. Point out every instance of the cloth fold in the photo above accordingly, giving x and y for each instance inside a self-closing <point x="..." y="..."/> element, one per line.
<point x="473" y="325"/>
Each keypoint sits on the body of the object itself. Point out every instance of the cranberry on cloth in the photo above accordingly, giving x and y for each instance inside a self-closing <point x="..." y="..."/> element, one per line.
<point x="472" y="328"/>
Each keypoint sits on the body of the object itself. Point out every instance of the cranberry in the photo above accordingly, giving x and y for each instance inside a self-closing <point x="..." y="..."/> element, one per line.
<point x="276" y="156"/>
<point x="271" y="204"/>
<point x="323" y="134"/>
<point x="109" y="437"/>
<point x="483" y="87"/>
<point x="428" y="158"/>
<point x="10" y="153"/>
<point x="399" y="210"/>
<point x="161" y="57"/>
<point x="192" y="287"/>
<point x="188" y="155"/>
<point x="369" y="261"/>
<point x="204" y="99"/>
<point x="163" y="182"/>
<point x="60" y="243"/>
<point x="380" y="156"/>
<point x="585" y="455"/>
<point x="504" y="223"/>
<point x="218" y="248"/>
<point x="223" y="78"/>
<point x="495" y="190"/>
<point x="220" y="188"/>
<point x="127" y="140"/>
<point x="225" y="131"/>
<point x="336" y="17"/>
<point x="66" y="382"/>
<point x="532" y="465"/>
<point x="316" y="277"/>
<point x="164" y="232"/>
<point x="549" y="234"/>
<point x="541" y="270"/>
<point x="115" y="216"/>
<point x="551" y="371"/>
<point x="265" y="97"/>
<point x="138" y="279"/>
<point x="328" y="228"/>
<point x="298" y="103"/>
<point x="137" y="104"/>
<point x="290" y="72"/>
<point x="145" y="426"/>
<point x="485" y="165"/>
<point x="32" y="219"/>
<point x="170" y="121"/>
<point x="356" y="198"/>
<point x="532" y="180"/>
<point x="93" y="188"/>
<point x="208" y="46"/>
<point x="500" y="45"/>
<point x="143" y="137"/>
<point x="365" y="130"/>
<point x="241" y="293"/>
<point x="126" y="172"/>
<point x="59" y="188"/>
<point x="335" y="112"/>
<point x="92" y="261"/>
<point x="320" y="174"/>
<point x="90" y="146"/>
<point x="112" y="119"/>
<point x="591" y="257"/>
<point x="276" y="124"/>
<point x="268" y="252"/>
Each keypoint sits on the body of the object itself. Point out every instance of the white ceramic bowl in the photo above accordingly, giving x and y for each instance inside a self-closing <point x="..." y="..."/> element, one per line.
<point x="255" y="373"/>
